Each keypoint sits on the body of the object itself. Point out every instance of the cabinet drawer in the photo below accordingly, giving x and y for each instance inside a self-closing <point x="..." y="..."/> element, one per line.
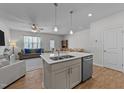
<point x="65" y="64"/>
<point x="58" y="66"/>
<point x="74" y="61"/>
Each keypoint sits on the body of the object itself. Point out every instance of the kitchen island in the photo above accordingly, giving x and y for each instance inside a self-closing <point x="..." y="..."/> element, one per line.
<point x="62" y="70"/>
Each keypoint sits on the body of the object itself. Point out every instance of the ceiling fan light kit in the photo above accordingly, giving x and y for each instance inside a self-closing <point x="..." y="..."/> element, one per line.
<point x="34" y="31"/>
<point x="34" y="28"/>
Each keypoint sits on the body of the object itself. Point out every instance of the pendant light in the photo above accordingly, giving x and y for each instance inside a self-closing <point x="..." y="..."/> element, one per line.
<point x="71" y="32"/>
<point x="55" y="25"/>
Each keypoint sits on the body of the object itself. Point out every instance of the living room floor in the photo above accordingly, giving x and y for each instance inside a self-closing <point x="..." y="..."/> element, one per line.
<point x="102" y="78"/>
<point x="33" y="64"/>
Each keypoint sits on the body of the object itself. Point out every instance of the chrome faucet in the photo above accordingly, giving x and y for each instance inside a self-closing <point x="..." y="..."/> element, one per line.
<point x="58" y="52"/>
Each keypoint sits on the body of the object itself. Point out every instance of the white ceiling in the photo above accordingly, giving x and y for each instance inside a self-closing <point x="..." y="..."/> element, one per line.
<point x="20" y="16"/>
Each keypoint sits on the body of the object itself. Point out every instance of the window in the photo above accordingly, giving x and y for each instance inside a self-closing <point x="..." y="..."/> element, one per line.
<point x="31" y="42"/>
<point x="52" y="44"/>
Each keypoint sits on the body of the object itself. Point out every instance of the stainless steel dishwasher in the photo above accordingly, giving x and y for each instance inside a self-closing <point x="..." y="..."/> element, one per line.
<point x="87" y="67"/>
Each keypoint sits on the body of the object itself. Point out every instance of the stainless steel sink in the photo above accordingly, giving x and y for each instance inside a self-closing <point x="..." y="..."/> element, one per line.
<point x="61" y="57"/>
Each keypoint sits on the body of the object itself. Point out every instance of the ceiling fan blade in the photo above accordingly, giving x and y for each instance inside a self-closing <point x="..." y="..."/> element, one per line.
<point x="41" y="28"/>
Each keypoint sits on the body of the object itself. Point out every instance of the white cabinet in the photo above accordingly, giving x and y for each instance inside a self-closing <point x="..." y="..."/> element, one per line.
<point x="59" y="79"/>
<point x="75" y="75"/>
<point x="62" y="75"/>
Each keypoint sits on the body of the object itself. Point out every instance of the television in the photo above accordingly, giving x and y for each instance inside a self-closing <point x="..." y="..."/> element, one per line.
<point x="2" y="38"/>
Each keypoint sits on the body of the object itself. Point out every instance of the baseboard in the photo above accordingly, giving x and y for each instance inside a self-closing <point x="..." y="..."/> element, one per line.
<point x="107" y="67"/>
<point x="98" y="65"/>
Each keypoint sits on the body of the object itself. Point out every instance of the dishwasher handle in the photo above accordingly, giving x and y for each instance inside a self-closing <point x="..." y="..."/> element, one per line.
<point x="87" y="59"/>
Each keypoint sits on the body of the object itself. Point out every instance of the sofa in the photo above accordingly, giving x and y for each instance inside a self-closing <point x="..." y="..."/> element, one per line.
<point x="11" y="72"/>
<point x="10" y="69"/>
<point x="30" y="53"/>
<point x="4" y="62"/>
<point x="4" y="57"/>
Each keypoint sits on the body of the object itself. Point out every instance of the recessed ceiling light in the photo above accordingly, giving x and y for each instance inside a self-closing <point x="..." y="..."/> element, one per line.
<point x="90" y="14"/>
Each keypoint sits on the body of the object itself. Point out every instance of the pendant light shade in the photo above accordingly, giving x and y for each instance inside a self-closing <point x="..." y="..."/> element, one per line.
<point x="55" y="29"/>
<point x="55" y="26"/>
<point x="71" y="31"/>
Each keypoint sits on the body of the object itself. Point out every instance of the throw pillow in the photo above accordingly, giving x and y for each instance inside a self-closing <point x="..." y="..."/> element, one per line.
<point x="27" y="51"/>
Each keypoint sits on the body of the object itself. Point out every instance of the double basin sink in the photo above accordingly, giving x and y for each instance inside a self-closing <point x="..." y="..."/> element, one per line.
<point x="61" y="57"/>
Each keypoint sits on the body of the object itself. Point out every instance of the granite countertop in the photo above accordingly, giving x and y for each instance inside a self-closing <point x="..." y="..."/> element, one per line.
<point x="46" y="56"/>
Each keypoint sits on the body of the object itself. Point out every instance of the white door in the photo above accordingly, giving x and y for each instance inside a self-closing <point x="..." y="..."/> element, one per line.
<point x="75" y="75"/>
<point x="113" y="48"/>
<point x="60" y="79"/>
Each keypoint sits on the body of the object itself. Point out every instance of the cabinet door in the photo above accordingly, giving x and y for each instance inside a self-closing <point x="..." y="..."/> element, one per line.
<point x="59" y="79"/>
<point x="75" y="75"/>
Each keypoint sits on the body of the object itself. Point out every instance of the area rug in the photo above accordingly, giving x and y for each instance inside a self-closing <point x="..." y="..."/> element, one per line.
<point x="33" y="64"/>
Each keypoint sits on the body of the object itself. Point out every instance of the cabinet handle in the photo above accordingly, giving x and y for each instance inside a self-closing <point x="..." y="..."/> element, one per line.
<point x="68" y="71"/>
<point x="71" y="70"/>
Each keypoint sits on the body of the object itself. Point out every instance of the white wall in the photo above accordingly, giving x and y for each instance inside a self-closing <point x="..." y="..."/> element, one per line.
<point x="92" y="39"/>
<point x="96" y="34"/>
<point x="18" y="36"/>
<point x="79" y="39"/>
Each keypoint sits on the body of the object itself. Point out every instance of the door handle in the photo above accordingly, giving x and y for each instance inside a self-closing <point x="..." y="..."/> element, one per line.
<point x="88" y="59"/>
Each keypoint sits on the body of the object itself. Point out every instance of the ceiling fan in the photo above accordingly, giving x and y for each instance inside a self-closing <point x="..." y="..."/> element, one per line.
<point x="36" y="28"/>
